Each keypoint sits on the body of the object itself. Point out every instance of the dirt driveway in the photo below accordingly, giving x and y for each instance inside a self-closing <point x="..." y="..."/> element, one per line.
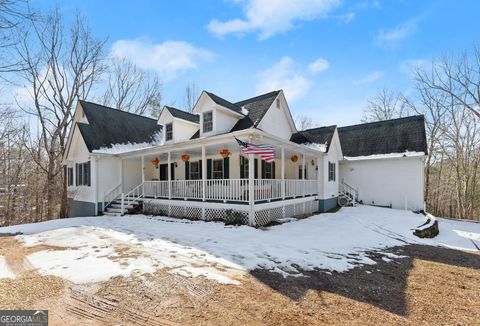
<point x="431" y="286"/>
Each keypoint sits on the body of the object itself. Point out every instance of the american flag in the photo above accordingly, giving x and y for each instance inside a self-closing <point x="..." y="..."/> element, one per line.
<point x="266" y="152"/>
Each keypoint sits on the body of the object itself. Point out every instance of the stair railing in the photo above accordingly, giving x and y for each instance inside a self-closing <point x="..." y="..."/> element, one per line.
<point x="134" y="194"/>
<point x="349" y="191"/>
<point x="109" y="197"/>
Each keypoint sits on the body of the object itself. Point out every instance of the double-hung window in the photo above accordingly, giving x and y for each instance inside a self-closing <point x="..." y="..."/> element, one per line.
<point x="168" y="131"/>
<point x="244" y="167"/>
<point x="194" y="170"/>
<point x="207" y="121"/>
<point x="83" y="174"/>
<point x="217" y="169"/>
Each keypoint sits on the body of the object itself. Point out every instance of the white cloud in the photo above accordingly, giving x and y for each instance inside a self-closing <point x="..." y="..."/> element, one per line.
<point x="346" y="18"/>
<point x="408" y="67"/>
<point x="287" y="75"/>
<point x="169" y="58"/>
<point x="370" y="78"/>
<point x="272" y="17"/>
<point x="318" y="66"/>
<point x="397" y="33"/>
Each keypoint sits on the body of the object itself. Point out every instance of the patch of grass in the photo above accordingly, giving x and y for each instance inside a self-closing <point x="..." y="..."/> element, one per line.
<point x="334" y="210"/>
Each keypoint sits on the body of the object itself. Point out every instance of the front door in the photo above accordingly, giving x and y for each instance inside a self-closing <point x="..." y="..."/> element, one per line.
<point x="164" y="172"/>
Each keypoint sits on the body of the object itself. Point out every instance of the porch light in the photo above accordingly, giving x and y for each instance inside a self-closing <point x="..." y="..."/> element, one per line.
<point x="185" y="157"/>
<point x="294" y="158"/>
<point x="225" y="153"/>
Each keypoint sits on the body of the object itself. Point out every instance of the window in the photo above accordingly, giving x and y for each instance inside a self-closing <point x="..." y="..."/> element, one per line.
<point x="277" y="102"/>
<point x="217" y="169"/>
<point x="268" y="170"/>
<point x="244" y="167"/>
<point x="194" y="170"/>
<point x="331" y="171"/>
<point x="168" y="131"/>
<point x="207" y="121"/>
<point x="83" y="174"/>
<point x="304" y="171"/>
<point x="69" y="177"/>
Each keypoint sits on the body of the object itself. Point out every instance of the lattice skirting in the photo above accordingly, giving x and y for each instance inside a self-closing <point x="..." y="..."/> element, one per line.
<point x="262" y="216"/>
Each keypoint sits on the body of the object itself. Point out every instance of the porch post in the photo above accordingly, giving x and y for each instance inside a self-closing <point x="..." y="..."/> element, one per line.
<point x="143" y="168"/>
<point x="283" y="172"/>
<point x="251" y="190"/>
<point x="319" y="175"/>
<point x="204" y="172"/>
<point x="169" y="174"/>
<point x="303" y="174"/>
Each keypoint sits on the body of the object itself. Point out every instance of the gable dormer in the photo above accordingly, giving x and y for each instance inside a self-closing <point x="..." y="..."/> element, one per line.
<point x="178" y="125"/>
<point x="217" y="115"/>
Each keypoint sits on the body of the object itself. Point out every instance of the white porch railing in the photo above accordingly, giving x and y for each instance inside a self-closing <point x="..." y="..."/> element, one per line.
<point x="229" y="189"/>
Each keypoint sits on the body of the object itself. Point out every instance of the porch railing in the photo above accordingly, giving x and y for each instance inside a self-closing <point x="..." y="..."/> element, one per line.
<point x="229" y="189"/>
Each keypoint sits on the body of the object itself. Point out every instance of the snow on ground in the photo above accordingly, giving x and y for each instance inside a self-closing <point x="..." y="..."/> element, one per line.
<point x="98" y="248"/>
<point x="4" y="270"/>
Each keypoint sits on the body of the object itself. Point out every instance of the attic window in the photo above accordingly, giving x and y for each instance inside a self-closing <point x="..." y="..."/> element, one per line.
<point x="168" y="131"/>
<point x="207" y="121"/>
<point x="277" y="103"/>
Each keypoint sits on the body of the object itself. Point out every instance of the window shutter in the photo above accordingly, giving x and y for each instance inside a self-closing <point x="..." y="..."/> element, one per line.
<point x="200" y="169"/>
<point x="89" y="175"/>
<point x="209" y="168"/>
<point x="242" y="167"/>
<point x="255" y="168"/>
<point x="226" y="168"/>
<point x="263" y="169"/>
<point x="172" y="171"/>
<point x="76" y="174"/>
<point x="273" y="170"/>
<point x="187" y="170"/>
<point x="80" y="174"/>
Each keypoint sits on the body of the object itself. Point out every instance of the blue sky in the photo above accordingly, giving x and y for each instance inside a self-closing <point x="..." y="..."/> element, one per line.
<point x="329" y="56"/>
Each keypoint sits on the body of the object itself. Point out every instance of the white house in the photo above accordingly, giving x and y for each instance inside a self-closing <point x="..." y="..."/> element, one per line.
<point x="191" y="165"/>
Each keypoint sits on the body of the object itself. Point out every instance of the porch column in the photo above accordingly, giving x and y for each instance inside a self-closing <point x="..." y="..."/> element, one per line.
<point x="251" y="190"/>
<point x="303" y="174"/>
<point x="143" y="168"/>
<point x="204" y="173"/>
<point x="319" y="176"/>
<point x="283" y="172"/>
<point x="169" y="174"/>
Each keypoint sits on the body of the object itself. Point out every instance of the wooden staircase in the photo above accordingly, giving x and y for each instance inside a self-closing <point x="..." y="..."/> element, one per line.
<point x="128" y="203"/>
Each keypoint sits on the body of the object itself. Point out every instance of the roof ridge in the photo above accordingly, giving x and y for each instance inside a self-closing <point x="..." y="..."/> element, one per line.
<point x="183" y="111"/>
<point x="410" y="117"/>
<point x="257" y="97"/>
<point x="316" y="128"/>
<point x="117" y="110"/>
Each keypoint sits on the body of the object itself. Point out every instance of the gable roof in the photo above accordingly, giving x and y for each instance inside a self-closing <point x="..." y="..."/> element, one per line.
<point x="321" y="135"/>
<point x="184" y="115"/>
<point x="108" y="126"/>
<point x="384" y="137"/>
<point x="220" y="101"/>
<point x="257" y="107"/>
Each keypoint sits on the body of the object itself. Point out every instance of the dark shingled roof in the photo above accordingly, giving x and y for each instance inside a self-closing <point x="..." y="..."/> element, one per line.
<point x="196" y="135"/>
<point x="384" y="137"/>
<point x="224" y="103"/>
<point x="184" y="115"/>
<point x="257" y="107"/>
<point x="108" y="126"/>
<point x="322" y="135"/>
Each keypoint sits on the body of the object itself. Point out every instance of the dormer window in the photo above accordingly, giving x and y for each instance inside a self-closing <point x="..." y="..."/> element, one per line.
<point x="168" y="131"/>
<point x="207" y="121"/>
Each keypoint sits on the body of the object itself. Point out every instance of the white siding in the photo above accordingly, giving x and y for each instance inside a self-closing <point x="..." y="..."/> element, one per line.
<point x="398" y="181"/>
<point x="330" y="188"/>
<point x="109" y="169"/>
<point x="132" y="173"/>
<point x="276" y="120"/>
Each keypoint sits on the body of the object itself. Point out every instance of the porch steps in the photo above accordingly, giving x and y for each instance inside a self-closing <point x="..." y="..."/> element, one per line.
<point x="115" y="207"/>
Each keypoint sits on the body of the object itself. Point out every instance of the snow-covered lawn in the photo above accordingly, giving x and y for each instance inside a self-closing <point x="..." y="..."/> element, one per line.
<point x="97" y="248"/>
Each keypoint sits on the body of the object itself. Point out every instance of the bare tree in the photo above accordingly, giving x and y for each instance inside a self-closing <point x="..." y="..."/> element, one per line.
<point x="132" y="89"/>
<point x="191" y="96"/>
<point x="385" y="105"/>
<point x="61" y="66"/>
<point x="457" y="76"/>
<point x="304" y="122"/>
<point x="14" y="14"/>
